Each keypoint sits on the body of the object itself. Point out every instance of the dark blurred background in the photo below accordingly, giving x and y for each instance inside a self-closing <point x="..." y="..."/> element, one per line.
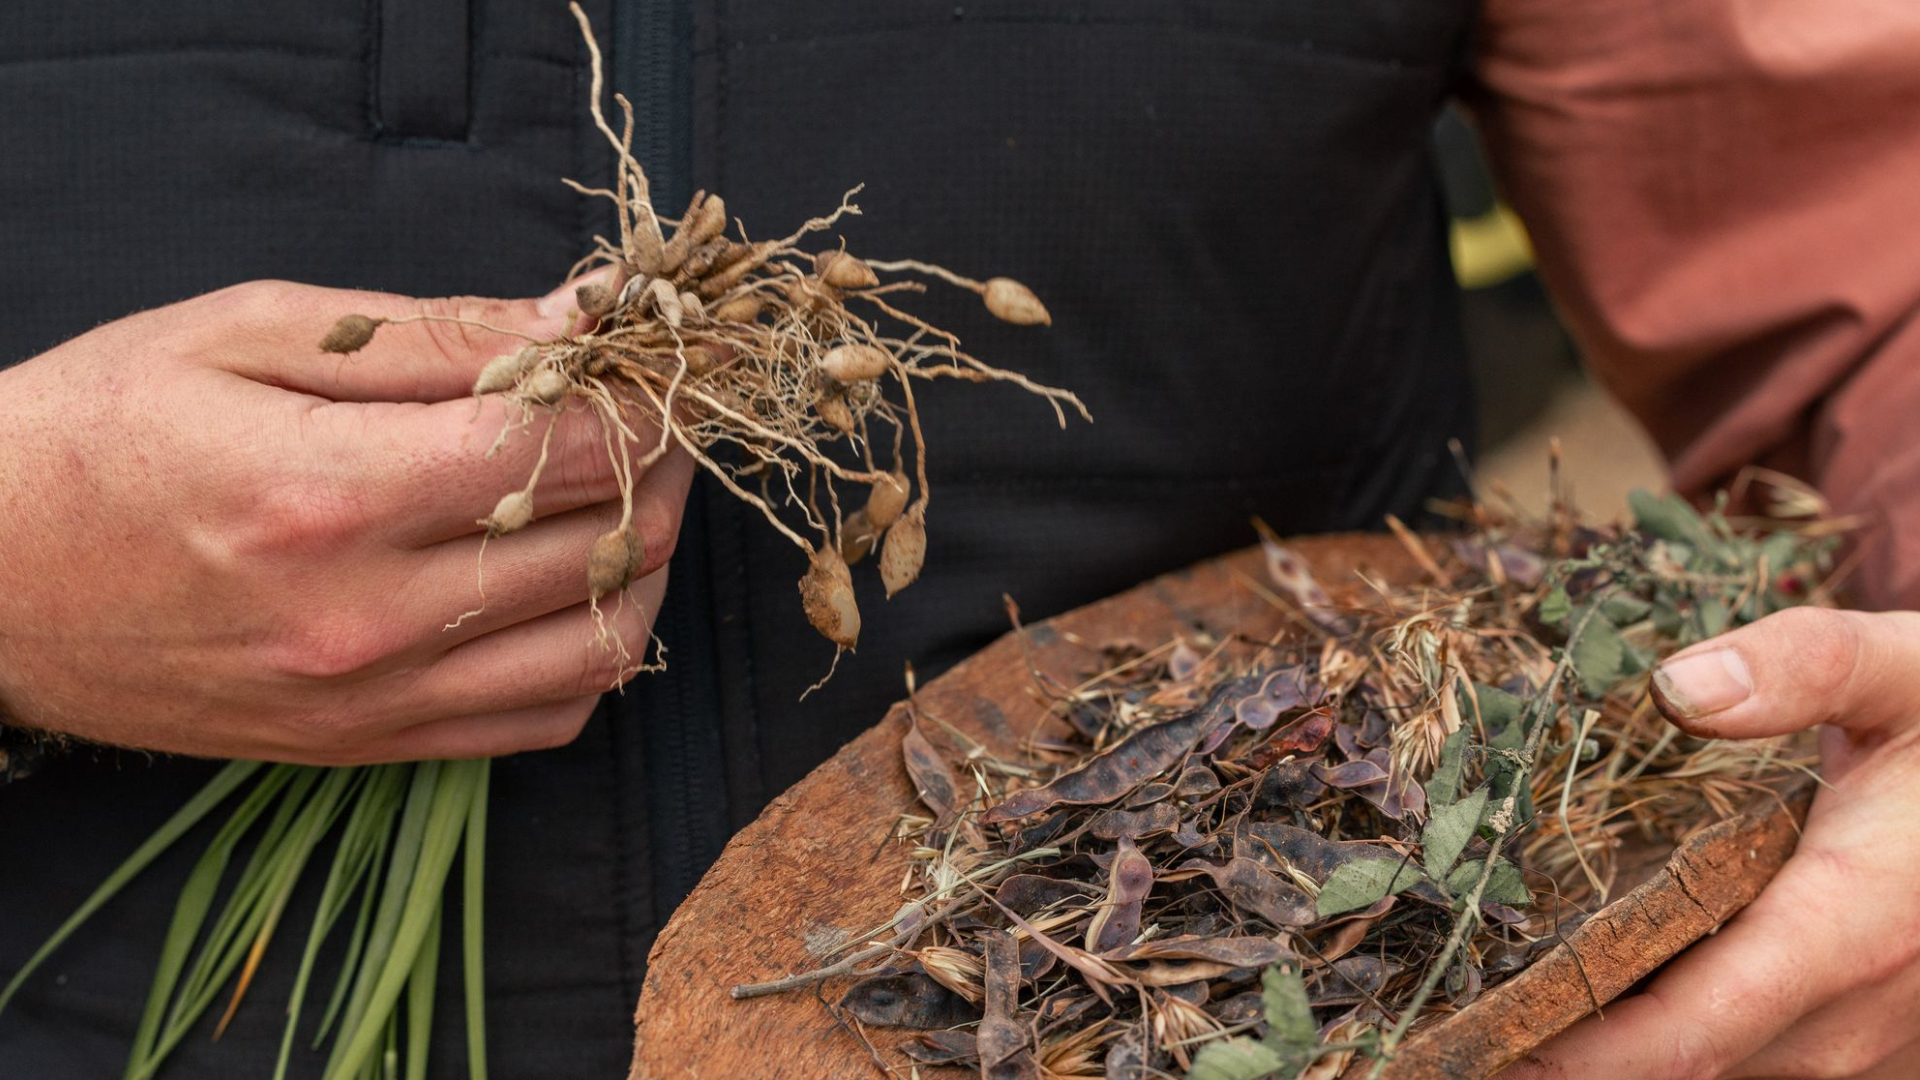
<point x="1526" y="368"/>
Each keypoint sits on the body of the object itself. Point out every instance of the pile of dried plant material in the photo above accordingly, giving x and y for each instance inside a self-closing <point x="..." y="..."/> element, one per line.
<point x="1249" y="859"/>
<point x="769" y="361"/>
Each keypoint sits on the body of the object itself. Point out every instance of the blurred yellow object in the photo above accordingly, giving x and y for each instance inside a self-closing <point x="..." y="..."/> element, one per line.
<point x="1489" y="249"/>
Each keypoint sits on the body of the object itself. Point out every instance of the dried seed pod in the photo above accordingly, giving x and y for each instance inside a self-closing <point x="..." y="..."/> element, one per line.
<point x="826" y="593"/>
<point x="350" y="334"/>
<point x="843" y="271"/>
<point x="905" y="550"/>
<point x="510" y="514"/>
<point x="887" y="499"/>
<point x="855" y="363"/>
<point x="1013" y="302"/>
<point x="858" y="537"/>
<point x="742" y="309"/>
<point x="595" y="298"/>
<point x="614" y="560"/>
<point x="837" y="414"/>
<point x="505" y="370"/>
<point x="546" y="386"/>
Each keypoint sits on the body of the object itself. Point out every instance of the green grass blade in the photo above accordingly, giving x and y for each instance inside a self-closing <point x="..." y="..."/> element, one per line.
<point x="350" y="964"/>
<point x="252" y="882"/>
<point x="353" y="861"/>
<point x="292" y="848"/>
<point x="190" y="910"/>
<point x="446" y="822"/>
<point x="420" y="987"/>
<point x="203" y="803"/>
<point x="408" y="841"/>
<point x="473" y="938"/>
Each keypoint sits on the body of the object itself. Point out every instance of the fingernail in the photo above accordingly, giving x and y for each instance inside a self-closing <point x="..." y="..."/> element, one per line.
<point x="1700" y="684"/>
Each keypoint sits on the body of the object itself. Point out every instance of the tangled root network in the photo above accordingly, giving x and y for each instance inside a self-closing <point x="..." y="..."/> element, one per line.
<point x="771" y="364"/>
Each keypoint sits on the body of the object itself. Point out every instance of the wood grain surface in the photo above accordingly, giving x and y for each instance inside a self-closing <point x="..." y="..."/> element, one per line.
<point x="816" y="870"/>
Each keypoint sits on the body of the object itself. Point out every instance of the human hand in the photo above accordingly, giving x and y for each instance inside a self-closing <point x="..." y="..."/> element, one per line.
<point x="1819" y="976"/>
<point x="219" y="540"/>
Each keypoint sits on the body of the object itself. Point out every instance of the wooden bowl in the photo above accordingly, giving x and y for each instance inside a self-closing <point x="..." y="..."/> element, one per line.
<point x="816" y="867"/>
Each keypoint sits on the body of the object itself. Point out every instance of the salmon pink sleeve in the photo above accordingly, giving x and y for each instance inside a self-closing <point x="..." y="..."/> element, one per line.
<point x="1724" y="196"/>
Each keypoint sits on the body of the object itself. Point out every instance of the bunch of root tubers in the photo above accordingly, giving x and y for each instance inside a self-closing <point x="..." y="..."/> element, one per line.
<point x="771" y="364"/>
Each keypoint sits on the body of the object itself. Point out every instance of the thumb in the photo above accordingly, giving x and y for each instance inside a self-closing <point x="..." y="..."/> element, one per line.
<point x="1793" y="670"/>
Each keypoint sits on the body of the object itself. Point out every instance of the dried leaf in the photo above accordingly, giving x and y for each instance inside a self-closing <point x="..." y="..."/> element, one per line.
<point x="933" y="781"/>
<point x="907" y="999"/>
<point x="1667" y="517"/>
<point x="1118" y="770"/>
<point x="1251" y="886"/>
<point x="1117" y="921"/>
<point x="943" y="1048"/>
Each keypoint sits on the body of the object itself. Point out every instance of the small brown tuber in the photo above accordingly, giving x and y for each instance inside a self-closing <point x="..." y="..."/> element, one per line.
<point x="510" y="514"/>
<point x="595" y="299"/>
<point x="614" y="560"/>
<point x="857" y="537"/>
<point x="503" y="372"/>
<point x="855" y="363"/>
<point x="843" y="271"/>
<point x="905" y="550"/>
<point x="887" y="498"/>
<point x="547" y="386"/>
<point x="826" y="593"/>
<point x="350" y="334"/>
<point x="835" y="413"/>
<point x="1013" y="302"/>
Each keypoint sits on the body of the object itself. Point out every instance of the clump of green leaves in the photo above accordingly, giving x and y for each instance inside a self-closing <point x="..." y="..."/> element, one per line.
<point x="396" y="830"/>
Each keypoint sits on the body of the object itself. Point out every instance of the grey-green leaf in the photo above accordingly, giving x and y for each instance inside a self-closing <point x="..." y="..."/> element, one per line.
<point x="1237" y="1059"/>
<point x="1504" y="887"/>
<point x="1498" y="709"/>
<point x="1599" y="656"/>
<point x="1362" y="882"/>
<point x="1667" y="517"/>
<point x="1289" y="1011"/>
<point x="1554" y="607"/>
<point x="1443" y="786"/>
<point x="1449" y="829"/>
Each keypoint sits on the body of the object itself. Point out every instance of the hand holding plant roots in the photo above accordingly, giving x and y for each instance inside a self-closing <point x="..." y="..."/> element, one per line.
<point x="1238" y="859"/>
<point x="770" y="364"/>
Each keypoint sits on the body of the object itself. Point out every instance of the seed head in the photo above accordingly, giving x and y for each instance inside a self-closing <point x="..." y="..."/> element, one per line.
<point x="855" y="363"/>
<point x="887" y="499"/>
<point x="826" y="594"/>
<point x="350" y="334"/>
<point x="1013" y="302"/>
<point x="905" y="550"/>
<point x="510" y="514"/>
<point x="614" y="560"/>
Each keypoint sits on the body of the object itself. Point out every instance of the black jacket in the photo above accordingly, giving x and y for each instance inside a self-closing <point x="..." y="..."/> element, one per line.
<point x="1229" y="207"/>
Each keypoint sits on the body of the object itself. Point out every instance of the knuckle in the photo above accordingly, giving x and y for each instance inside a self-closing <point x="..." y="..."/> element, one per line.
<point x="334" y="647"/>
<point x="568" y="721"/>
<point x="1822" y="648"/>
<point x="292" y="517"/>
